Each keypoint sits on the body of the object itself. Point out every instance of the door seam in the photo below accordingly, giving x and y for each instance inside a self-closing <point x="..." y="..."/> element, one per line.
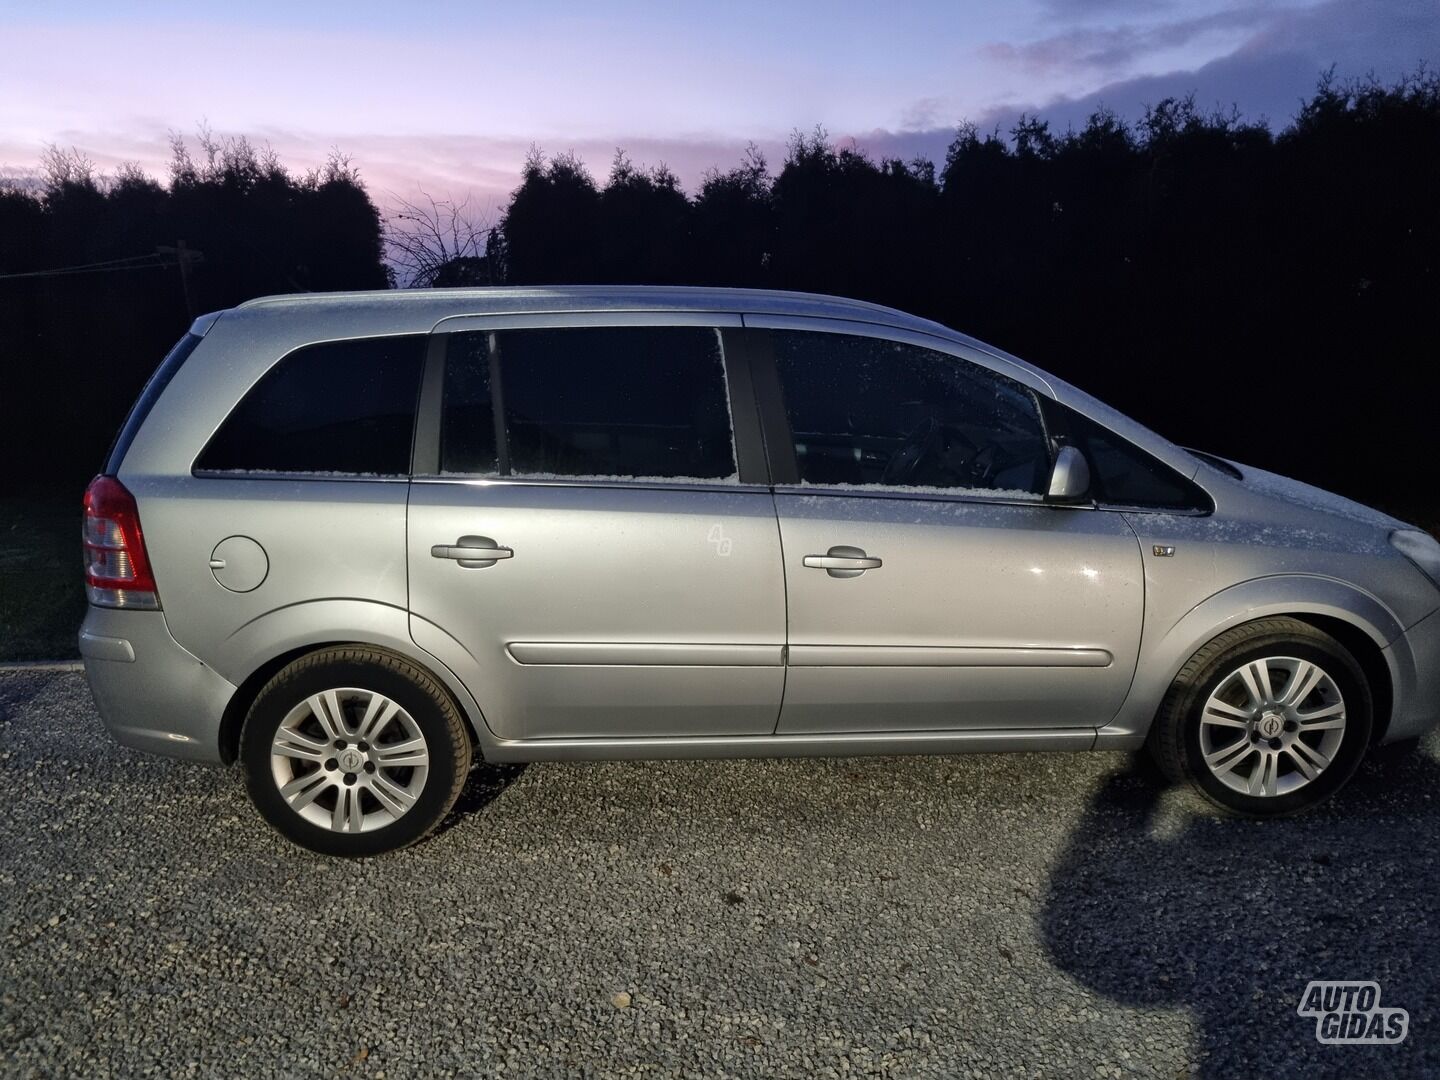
<point x="785" y="585"/>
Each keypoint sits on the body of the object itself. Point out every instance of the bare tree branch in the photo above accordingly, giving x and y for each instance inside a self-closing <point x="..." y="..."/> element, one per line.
<point x="437" y="242"/>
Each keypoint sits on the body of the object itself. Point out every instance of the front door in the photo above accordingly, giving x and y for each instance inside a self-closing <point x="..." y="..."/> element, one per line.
<point x="929" y="586"/>
<point x="583" y="551"/>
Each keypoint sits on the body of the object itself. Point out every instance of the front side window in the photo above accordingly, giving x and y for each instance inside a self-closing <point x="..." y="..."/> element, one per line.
<point x="341" y="408"/>
<point x="614" y="403"/>
<point x="1121" y="474"/>
<point x="875" y="413"/>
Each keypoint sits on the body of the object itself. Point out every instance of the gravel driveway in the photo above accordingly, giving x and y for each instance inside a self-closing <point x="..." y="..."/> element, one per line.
<point x="1031" y="915"/>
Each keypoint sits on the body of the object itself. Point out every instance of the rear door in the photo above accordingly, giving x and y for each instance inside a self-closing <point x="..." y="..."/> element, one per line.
<point x="930" y="587"/>
<point x="592" y="546"/>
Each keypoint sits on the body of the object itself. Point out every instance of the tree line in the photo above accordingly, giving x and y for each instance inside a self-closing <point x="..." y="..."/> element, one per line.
<point x="99" y="275"/>
<point x="1271" y="295"/>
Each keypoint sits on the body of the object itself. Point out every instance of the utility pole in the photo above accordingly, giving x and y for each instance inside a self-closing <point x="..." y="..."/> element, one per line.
<point x="184" y="256"/>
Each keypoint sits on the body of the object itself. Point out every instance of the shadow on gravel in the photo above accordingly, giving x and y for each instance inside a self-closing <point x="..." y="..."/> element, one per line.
<point x="1172" y="907"/>
<point x="482" y="787"/>
<point x="19" y="688"/>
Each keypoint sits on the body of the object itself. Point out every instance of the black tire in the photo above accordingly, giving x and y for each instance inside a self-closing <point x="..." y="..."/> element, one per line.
<point x="428" y="705"/>
<point x="1175" y="737"/>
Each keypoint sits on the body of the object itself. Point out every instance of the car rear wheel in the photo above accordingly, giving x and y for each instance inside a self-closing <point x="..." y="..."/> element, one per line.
<point x="354" y="751"/>
<point x="1268" y="719"/>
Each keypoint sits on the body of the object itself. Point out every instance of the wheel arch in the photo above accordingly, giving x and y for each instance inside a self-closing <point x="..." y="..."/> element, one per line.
<point x="266" y="645"/>
<point x="1372" y="660"/>
<point x="1354" y="617"/>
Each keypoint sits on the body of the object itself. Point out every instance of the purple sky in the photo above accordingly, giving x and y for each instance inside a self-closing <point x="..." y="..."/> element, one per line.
<point x="448" y="97"/>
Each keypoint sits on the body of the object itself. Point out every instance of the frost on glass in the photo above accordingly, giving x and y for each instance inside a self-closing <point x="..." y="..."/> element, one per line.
<point x="1012" y="494"/>
<point x="467" y="420"/>
<point x="639" y="404"/>
<point x="883" y="415"/>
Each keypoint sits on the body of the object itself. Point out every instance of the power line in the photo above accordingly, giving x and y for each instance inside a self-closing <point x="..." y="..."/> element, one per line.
<point x="105" y="262"/>
<point x="133" y="262"/>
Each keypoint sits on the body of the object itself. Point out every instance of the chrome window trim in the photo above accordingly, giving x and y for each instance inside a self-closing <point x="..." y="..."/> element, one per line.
<point x="1119" y="508"/>
<point x="938" y="495"/>
<point x="291" y="477"/>
<point x="581" y="482"/>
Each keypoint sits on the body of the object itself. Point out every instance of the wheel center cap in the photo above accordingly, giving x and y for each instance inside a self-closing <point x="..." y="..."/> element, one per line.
<point x="351" y="760"/>
<point x="1271" y="725"/>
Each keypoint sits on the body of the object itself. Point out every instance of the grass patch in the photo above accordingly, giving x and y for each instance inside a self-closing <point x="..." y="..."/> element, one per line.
<point x="42" y="590"/>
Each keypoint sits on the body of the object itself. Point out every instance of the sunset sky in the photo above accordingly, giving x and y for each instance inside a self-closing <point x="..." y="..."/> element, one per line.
<point x="447" y="97"/>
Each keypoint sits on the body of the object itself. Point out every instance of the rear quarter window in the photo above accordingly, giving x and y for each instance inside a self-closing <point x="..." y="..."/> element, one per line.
<point x="339" y="408"/>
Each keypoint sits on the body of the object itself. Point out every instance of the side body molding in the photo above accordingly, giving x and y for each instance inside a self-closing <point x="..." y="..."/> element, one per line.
<point x="1162" y="657"/>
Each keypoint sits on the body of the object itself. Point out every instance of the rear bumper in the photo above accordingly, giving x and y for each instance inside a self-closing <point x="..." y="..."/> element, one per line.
<point x="151" y="694"/>
<point x="1414" y="659"/>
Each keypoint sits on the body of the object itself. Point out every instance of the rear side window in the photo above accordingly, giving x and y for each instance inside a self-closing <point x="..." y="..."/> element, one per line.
<point x="868" y="412"/>
<point x="154" y="387"/>
<point x="342" y="408"/>
<point x="615" y="403"/>
<point x="467" y="420"/>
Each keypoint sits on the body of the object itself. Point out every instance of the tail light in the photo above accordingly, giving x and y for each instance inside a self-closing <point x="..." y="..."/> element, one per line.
<point x="117" y="570"/>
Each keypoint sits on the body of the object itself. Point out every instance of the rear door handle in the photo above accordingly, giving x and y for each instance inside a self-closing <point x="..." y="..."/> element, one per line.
<point x="843" y="561"/>
<point x="472" y="552"/>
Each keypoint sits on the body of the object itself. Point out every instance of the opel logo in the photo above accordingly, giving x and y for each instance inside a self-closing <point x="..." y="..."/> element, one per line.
<point x="1271" y="725"/>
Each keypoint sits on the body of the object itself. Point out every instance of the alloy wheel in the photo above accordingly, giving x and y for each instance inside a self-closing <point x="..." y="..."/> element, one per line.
<point x="1272" y="726"/>
<point x="350" y="760"/>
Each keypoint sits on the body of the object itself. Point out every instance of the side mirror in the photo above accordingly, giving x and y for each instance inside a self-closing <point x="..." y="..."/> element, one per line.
<point x="1070" y="479"/>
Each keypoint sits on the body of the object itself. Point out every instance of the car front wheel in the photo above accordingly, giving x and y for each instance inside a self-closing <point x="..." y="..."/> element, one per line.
<point x="1268" y="719"/>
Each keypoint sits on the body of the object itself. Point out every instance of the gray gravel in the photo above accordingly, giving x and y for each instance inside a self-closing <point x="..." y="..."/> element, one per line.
<point x="1028" y="915"/>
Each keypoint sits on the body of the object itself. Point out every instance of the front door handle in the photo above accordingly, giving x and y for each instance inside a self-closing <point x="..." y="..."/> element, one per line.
<point x="843" y="561"/>
<point x="472" y="552"/>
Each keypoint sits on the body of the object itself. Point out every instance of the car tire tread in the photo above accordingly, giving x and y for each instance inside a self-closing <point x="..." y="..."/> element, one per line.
<point x="280" y="692"/>
<point x="1167" y="741"/>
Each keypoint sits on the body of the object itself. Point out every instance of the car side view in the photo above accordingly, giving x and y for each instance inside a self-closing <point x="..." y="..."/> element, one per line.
<point x="354" y="541"/>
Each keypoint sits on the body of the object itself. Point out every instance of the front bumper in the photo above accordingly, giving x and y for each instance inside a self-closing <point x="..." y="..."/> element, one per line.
<point x="1414" y="659"/>
<point x="151" y="694"/>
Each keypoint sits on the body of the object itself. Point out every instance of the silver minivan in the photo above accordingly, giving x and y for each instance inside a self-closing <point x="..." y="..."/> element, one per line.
<point x="354" y="541"/>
